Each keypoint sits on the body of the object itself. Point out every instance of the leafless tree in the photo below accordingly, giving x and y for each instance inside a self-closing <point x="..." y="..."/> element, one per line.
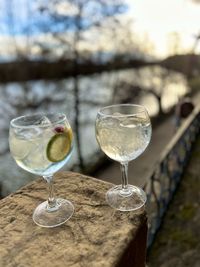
<point x="74" y="21"/>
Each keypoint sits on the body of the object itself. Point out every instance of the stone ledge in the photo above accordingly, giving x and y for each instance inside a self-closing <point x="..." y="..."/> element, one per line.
<point x="95" y="236"/>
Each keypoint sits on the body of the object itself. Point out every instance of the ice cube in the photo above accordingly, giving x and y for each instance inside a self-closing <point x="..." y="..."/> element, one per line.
<point x="28" y="133"/>
<point x="36" y="158"/>
<point x="109" y="122"/>
<point x="130" y="123"/>
<point x="43" y="121"/>
<point x="117" y="114"/>
<point x="19" y="147"/>
<point x="127" y="125"/>
<point x="119" y="117"/>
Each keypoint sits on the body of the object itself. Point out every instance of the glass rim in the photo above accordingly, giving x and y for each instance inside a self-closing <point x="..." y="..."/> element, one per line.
<point x="123" y="105"/>
<point x="60" y="120"/>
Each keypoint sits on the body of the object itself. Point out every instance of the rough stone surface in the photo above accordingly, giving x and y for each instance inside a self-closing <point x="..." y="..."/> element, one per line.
<point x="95" y="236"/>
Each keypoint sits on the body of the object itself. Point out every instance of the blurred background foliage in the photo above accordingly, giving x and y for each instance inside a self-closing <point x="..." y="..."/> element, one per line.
<point x="75" y="56"/>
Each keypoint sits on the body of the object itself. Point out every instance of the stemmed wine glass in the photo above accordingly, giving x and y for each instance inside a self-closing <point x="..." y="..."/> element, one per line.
<point x="123" y="132"/>
<point x="41" y="144"/>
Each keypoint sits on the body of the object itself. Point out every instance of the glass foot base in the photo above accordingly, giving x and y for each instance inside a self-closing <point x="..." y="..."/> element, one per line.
<point x="133" y="198"/>
<point x="45" y="218"/>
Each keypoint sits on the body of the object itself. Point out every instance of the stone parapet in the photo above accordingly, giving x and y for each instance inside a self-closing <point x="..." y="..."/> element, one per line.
<point x="96" y="235"/>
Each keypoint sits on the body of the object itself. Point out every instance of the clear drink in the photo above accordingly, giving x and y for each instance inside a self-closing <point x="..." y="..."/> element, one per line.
<point x="123" y="139"/>
<point x="30" y="147"/>
<point x="123" y="132"/>
<point x="42" y="144"/>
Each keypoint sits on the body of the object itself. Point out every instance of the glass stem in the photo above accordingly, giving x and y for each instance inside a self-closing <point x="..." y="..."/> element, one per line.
<point x="124" y="172"/>
<point x="52" y="205"/>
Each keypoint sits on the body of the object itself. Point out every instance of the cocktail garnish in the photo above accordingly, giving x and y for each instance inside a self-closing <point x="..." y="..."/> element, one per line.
<point x="59" y="129"/>
<point x="59" y="146"/>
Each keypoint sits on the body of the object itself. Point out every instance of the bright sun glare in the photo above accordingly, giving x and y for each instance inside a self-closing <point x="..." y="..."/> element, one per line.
<point x="165" y="20"/>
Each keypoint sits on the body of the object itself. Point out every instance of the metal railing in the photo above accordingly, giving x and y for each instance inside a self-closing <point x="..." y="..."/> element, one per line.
<point x="163" y="182"/>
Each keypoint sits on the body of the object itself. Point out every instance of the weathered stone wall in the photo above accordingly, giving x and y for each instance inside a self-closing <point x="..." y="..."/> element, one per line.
<point x="177" y="243"/>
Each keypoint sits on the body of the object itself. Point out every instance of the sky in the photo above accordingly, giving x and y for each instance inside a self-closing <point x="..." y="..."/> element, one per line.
<point x="160" y="19"/>
<point x="155" y="21"/>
